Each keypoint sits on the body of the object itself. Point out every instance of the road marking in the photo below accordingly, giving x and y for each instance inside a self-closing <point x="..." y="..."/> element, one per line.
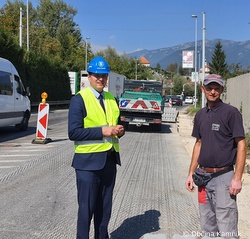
<point x="14" y="155"/>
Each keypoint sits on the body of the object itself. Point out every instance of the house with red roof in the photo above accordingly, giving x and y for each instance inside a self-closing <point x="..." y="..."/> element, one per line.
<point x="144" y="61"/>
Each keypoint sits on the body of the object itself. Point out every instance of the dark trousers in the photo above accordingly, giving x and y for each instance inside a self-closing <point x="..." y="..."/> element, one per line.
<point x="95" y="190"/>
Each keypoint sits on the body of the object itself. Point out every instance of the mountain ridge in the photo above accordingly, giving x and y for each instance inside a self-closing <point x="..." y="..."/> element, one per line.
<point x="237" y="52"/>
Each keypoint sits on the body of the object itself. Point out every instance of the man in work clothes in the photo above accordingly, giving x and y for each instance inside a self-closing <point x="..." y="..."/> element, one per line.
<point x="93" y="126"/>
<point x="220" y="149"/>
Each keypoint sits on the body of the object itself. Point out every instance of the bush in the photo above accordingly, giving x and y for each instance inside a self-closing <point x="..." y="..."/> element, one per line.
<point x="45" y="75"/>
<point x="192" y="110"/>
<point x="248" y="142"/>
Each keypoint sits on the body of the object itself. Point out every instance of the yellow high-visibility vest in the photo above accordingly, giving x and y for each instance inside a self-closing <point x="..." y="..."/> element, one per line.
<point x="96" y="117"/>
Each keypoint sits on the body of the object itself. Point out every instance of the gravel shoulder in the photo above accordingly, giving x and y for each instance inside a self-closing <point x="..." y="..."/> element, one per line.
<point x="184" y="126"/>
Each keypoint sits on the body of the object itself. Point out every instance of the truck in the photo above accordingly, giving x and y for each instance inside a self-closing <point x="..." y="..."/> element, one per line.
<point x="114" y="85"/>
<point x="14" y="98"/>
<point x="142" y="103"/>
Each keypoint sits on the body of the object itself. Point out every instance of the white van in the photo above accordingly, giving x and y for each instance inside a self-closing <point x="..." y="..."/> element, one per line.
<point x="14" y="100"/>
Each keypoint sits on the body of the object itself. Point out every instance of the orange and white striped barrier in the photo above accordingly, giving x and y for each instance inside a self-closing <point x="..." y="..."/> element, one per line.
<point x="42" y="122"/>
<point x="170" y="102"/>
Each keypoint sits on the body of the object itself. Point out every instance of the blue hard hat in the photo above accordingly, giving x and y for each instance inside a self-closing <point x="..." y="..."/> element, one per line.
<point x="98" y="65"/>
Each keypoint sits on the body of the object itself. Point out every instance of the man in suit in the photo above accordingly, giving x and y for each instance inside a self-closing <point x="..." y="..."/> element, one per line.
<point x="93" y="126"/>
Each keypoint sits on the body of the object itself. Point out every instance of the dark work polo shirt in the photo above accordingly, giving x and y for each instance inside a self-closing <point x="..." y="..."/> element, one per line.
<point x="217" y="127"/>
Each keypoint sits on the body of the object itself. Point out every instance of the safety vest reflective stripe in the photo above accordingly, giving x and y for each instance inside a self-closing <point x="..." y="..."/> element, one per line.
<point x="104" y="140"/>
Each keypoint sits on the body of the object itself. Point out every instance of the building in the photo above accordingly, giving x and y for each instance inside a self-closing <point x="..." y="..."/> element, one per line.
<point x="144" y="61"/>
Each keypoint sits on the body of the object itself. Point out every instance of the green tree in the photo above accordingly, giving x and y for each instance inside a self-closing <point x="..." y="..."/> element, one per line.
<point x="124" y="65"/>
<point x="158" y="67"/>
<point x="61" y="31"/>
<point x="52" y="31"/>
<point x="9" y="15"/>
<point x="218" y="65"/>
<point x="172" y="67"/>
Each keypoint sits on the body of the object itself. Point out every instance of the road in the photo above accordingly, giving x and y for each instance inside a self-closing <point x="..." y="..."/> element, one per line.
<point x="38" y="193"/>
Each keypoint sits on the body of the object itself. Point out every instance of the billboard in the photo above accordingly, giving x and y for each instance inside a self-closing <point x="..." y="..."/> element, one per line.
<point x="187" y="59"/>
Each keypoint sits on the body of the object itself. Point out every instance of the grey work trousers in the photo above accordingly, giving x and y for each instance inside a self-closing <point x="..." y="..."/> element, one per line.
<point x="218" y="209"/>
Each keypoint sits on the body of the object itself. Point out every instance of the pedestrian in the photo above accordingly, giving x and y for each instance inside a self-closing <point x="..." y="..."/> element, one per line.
<point x="218" y="160"/>
<point x="95" y="132"/>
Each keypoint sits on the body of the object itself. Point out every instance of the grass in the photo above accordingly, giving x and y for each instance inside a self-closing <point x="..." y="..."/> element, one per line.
<point x="192" y="110"/>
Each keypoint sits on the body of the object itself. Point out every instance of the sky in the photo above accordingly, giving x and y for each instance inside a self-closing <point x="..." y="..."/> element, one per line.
<point x="130" y="25"/>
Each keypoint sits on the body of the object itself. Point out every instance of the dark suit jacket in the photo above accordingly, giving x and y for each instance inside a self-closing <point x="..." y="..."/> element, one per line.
<point x="76" y="131"/>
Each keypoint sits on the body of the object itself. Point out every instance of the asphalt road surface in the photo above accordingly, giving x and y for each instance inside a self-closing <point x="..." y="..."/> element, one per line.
<point x="38" y="193"/>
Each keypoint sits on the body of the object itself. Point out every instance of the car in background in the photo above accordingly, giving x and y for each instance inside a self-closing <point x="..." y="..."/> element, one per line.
<point x="167" y="97"/>
<point x="176" y="100"/>
<point x="180" y="96"/>
<point x="188" y="100"/>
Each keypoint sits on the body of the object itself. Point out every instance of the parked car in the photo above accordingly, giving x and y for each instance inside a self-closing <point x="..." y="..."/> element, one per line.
<point x="188" y="100"/>
<point x="167" y="97"/>
<point x="180" y="96"/>
<point x="176" y="100"/>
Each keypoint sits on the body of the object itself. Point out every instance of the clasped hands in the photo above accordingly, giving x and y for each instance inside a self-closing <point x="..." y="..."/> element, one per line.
<point x="109" y="131"/>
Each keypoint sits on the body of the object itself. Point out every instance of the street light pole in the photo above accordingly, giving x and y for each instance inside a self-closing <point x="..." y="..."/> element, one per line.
<point x="20" y="28"/>
<point x="195" y="64"/>
<point x="28" y="38"/>
<point x="203" y="53"/>
<point x="135" y="69"/>
<point x="86" y="53"/>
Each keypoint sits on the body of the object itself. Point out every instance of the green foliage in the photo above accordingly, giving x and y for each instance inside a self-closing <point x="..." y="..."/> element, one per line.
<point x="9" y="48"/>
<point x="172" y="67"/>
<point x="125" y="65"/>
<point x="192" y="110"/>
<point x="248" y="142"/>
<point x="218" y="65"/>
<point x="55" y="46"/>
<point x="38" y="72"/>
<point x="178" y="83"/>
<point x="45" y="75"/>
<point x="8" y="17"/>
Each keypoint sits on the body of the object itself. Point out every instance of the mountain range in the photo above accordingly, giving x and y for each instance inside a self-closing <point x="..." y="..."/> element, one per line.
<point x="237" y="52"/>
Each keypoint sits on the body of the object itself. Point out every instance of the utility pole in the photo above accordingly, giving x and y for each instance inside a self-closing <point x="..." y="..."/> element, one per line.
<point x="135" y="69"/>
<point x="21" y="28"/>
<point x="195" y="65"/>
<point x="86" y="53"/>
<point x="203" y="53"/>
<point x="28" y="40"/>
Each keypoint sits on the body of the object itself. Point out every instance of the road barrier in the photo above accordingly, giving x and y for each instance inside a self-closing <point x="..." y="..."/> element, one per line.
<point x="42" y="122"/>
<point x="170" y="115"/>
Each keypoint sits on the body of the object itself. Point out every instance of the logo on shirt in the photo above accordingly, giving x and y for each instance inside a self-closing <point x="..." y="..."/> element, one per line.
<point x="215" y="127"/>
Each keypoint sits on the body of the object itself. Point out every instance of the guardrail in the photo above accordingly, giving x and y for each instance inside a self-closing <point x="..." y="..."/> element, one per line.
<point x="54" y="103"/>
